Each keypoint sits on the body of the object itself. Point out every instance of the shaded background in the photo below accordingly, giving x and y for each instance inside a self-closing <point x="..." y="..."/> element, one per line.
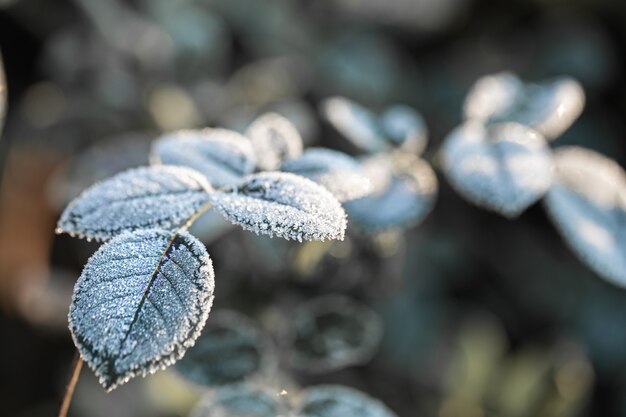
<point x="482" y="316"/>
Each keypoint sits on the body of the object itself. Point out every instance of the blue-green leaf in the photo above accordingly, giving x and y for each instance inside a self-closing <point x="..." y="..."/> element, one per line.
<point x="405" y="127"/>
<point x="587" y="204"/>
<point x="140" y="302"/>
<point x="504" y="167"/>
<point x="222" y="156"/>
<point x="338" y="172"/>
<point x="282" y="204"/>
<point x="274" y="138"/>
<point x="230" y="350"/>
<point x="238" y="401"/>
<point x="340" y="401"/>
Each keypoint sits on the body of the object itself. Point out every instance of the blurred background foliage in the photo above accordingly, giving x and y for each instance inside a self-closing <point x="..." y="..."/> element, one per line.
<point x="468" y="314"/>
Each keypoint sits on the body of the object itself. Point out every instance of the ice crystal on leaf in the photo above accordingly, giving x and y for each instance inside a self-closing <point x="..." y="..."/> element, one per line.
<point x="405" y="127"/>
<point x="339" y="173"/>
<point x="238" y="401"/>
<point x="141" y="198"/>
<point x="339" y="401"/>
<point x="140" y="302"/>
<point x="504" y="167"/>
<point x="223" y="156"/>
<point x="284" y="205"/>
<point x="587" y="203"/>
<point x="274" y="138"/>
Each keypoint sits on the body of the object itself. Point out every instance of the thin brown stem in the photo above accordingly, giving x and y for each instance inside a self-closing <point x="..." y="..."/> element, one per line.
<point x="77" y="364"/>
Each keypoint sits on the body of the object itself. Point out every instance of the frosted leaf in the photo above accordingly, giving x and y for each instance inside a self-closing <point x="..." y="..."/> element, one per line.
<point x="339" y="173"/>
<point x="274" y="138"/>
<point x="332" y="333"/>
<point x="340" y="401"/>
<point x="230" y="350"/>
<point x="223" y="156"/>
<point x="549" y="107"/>
<point x="405" y="192"/>
<point x="356" y="123"/>
<point x="405" y="127"/>
<point x="141" y="198"/>
<point x="504" y="167"/>
<point x="587" y="204"/>
<point x="140" y="302"/>
<point x="282" y="204"/>
<point x="238" y="401"/>
<point x="3" y="95"/>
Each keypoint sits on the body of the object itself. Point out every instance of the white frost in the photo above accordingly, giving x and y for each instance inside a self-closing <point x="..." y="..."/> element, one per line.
<point x="274" y="138"/>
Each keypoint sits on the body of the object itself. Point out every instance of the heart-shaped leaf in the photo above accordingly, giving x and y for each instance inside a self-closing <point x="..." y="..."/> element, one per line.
<point x="405" y="127"/>
<point x="223" y="156"/>
<point x="274" y="138"/>
<point x="149" y="197"/>
<point x="282" y="204"/>
<point x="332" y="333"/>
<point x="140" y="302"/>
<point x="337" y="172"/>
<point x="587" y="203"/>
<point x="355" y="122"/>
<point x="405" y="188"/>
<point x="339" y="401"/>
<point x="238" y="401"/>
<point x="549" y="107"/>
<point x="230" y="350"/>
<point x="504" y="167"/>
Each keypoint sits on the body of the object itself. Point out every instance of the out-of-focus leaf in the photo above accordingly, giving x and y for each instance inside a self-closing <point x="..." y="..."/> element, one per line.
<point x="405" y="188"/>
<point x="340" y="401"/>
<point x="338" y="172"/>
<point x="405" y="127"/>
<point x="238" y="401"/>
<point x="504" y="167"/>
<point x="274" y="138"/>
<point x="284" y="205"/>
<point x="159" y="196"/>
<point x="140" y="302"/>
<point x="549" y="107"/>
<point x="333" y="332"/>
<point x="587" y="203"/>
<point x="355" y="122"/>
<point x="223" y="156"/>
<point x="230" y="350"/>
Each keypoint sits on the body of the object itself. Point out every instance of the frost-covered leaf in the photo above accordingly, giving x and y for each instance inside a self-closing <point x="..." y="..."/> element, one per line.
<point x="549" y="107"/>
<point x="3" y="95"/>
<point x="223" y="156"/>
<point x="405" y="127"/>
<point x="284" y="205"/>
<point x="504" y="167"/>
<point x="140" y="302"/>
<point x="274" y="138"/>
<point x="405" y="188"/>
<point x="338" y="172"/>
<point x="587" y="203"/>
<point x="230" y="350"/>
<point x="238" y="401"/>
<point x="340" y="401"/>
<point x="332" y="333"/>
<point x="355" y="122"/>
<point x="148" y="197"/>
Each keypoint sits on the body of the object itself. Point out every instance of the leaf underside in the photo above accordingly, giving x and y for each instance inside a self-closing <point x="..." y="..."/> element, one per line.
<point x="274" y="138"/>
<point x="284" y="205"/>
<point x="339" y="401"/>
<point x="149" y="197"/>
<point x="140" y="302"/>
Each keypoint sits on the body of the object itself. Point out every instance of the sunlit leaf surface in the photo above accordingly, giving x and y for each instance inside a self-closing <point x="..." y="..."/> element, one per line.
<point x="355" y="122"/>
<point x="549" y="107"/>
<point x="339" y="401"/>
<point x="159" y="196"/>
<point x="587" y="204"/>
<point x="405" y="188"/>
<point x="238" y="401"/>
<point x="230" y="350"/>
<point x="274" y="138"/>
<point x="282" y="204"/>
<point x="140" y="302"/>
<point x="332" y="333"/>
<point x="336" y="171"/>
<point x="223" y="156"/>
<point x="504" y="167"/>
<point x="405" y="127"/>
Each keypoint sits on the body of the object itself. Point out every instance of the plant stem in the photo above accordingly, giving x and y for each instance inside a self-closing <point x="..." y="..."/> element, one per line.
<point x="77" y="364"/>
